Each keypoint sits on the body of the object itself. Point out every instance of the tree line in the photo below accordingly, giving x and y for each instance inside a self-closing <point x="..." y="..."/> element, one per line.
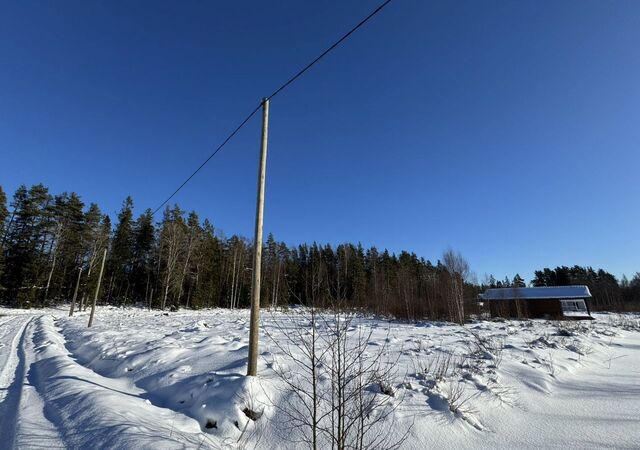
<point x="178" y="260"/>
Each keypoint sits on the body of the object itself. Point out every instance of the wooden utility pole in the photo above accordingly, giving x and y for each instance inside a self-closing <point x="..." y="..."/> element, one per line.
<point x="95" y="297"/>
<point x="75" y="293"/>
<point x="252" y="367"/>
<point x="53" y="266"/>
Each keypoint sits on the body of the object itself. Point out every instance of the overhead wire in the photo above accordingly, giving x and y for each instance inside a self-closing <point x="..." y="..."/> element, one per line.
<point x="276" y="92"/>
<point x="334" y="45"/>
<point x="233" y="133"/>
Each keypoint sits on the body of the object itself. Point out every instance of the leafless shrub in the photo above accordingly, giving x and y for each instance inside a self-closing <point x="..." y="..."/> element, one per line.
<point x="458" y="398"/>
<point x="564" y="331"/>
<point x="624" y="321"/>
<point x="486" y="348"/>
<point x="543" y="341"/>
<point x="504" y="394"/>
<point x="438" y="366"/>
<point x="570" y="329"/>
<point x="488" y="384"/>
<point x="441" y="375"/>
<point x="452" y="395"/>
<point x="549" y="363"/>
<point x="612" y="358"/>
<point x="338" y="390"/>
<point x="579" y="348"/>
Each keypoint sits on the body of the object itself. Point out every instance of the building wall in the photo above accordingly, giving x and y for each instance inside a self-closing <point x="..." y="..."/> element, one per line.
<point x="543" y="308"/>
<point x="546" y="308"/>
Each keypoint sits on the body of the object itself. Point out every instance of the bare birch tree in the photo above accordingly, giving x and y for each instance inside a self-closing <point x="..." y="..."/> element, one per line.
<point x="458" y="269"/>
<point x="171" y="237"/>
<point x="338" y="392"/>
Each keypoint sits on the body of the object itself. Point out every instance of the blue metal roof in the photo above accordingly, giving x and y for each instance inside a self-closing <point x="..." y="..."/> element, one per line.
<point x="539" y="293"/>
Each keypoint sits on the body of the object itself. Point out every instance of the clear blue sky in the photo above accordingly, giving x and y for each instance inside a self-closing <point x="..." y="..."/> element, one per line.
<point x="508" y="130"/>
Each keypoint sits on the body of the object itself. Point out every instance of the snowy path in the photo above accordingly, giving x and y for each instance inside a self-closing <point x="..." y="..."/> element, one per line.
<point x="12" y="357"/>
<point x="50" y="401"/>
<point x="141" y="379"/>
<point x="11" y="331"/>
<point x="21" y="408"/>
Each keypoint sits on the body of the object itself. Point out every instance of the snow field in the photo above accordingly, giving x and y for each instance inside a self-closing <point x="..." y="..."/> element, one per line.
<point x="144" y="379"/>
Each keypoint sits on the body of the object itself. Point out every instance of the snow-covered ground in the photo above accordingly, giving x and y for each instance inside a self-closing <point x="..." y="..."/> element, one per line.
<point x="140" y="379"/>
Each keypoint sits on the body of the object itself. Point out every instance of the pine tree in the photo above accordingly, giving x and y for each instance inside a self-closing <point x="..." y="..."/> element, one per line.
<point x="25" y="243"/>
<point x="272" y="273"/>
<point x="45" y="241"/>
<point x="68" y="216"/>
<point x="120" y="261"/>
<point x="207" y="291"/>
<point x="4" y="214"/>
<point x="94" y="239"/>
<point x="518" y="281"/>
<point x="144" y="240"/>
<point x="103" y="241"/>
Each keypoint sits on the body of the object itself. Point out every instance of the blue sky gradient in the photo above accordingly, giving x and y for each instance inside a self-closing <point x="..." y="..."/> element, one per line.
<point x="507" y="130"/>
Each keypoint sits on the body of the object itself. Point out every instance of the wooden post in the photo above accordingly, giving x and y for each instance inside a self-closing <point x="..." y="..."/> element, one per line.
<point x="95" y="297"/>
<point x="252" y="366"/>
<point x="83" y="307"/>
<point x="146" y="291"/>
<point x="53" y="266"/>
<point x="75" y="293"/>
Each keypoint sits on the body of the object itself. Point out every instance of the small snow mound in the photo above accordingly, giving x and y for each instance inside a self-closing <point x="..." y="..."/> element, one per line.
<point x="199" y="325"/>
<point x="230" y="401"/>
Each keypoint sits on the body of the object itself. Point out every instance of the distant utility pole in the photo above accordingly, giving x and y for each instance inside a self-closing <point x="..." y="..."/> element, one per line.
<point x="75" y="293"/>
<point x="95" y="297"/>
<point x="257" y="247"/>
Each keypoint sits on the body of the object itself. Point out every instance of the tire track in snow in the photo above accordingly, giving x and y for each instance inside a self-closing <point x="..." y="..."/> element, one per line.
<point x="36" y="426"/>
<point x="9" y="358"/>
<point x="16" y="361"/>
<point x="92" y="410"/>
<point x="22" y="413"/>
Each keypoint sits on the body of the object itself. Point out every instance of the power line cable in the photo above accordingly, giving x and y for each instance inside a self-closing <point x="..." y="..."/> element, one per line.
<point x="276" y="92"/>
<point x="233" y="133"/>
<point x="323" y="54"/>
